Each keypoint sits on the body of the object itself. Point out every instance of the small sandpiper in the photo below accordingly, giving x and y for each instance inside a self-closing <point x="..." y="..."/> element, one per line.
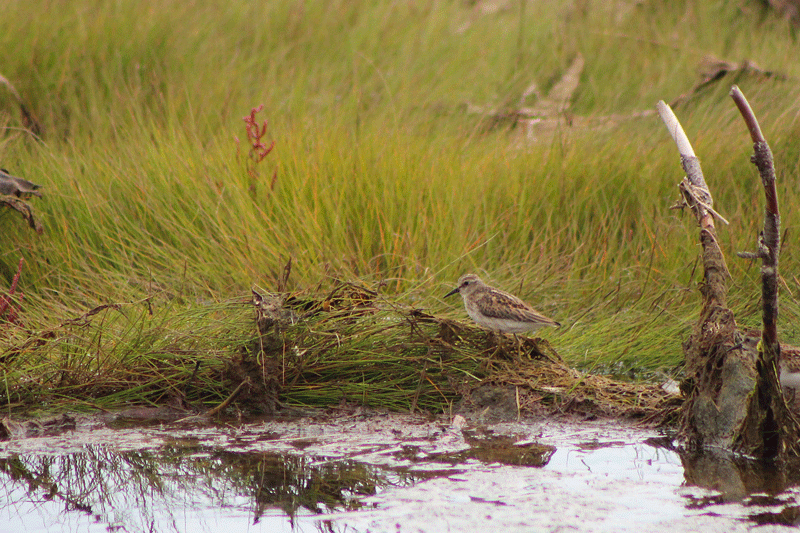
<point x="789" y="367"/>
<point x="789" y="374"/>
<point x="498" y="310"/>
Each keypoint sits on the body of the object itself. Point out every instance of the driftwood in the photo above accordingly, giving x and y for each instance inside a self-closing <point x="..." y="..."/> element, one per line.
<point x="548" y="112"/>
<point x="14" y="186"/>
<point x="734" y="400"/>
<point x="788" y="9"/>
<point x="770" y="429"/>
<point x="719" y="372"/>
<point x="551" y="112"/>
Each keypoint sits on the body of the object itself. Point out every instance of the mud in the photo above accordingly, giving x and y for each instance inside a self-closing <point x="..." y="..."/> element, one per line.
<point x="354" y="470"/>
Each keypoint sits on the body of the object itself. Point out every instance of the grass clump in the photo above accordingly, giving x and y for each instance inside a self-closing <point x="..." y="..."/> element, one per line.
<point x="378" y="176"/>
<point x="355" y="347"/>
<point x="117" y="355"/>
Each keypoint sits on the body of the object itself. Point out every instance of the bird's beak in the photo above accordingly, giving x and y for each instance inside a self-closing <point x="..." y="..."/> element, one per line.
<point x="451" y="292"/>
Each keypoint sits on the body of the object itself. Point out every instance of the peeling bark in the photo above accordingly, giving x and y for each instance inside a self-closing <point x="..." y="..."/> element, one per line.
<point x="770" y="430"/>
<point x="719" y="372"/>
<point x="734" y="397"/>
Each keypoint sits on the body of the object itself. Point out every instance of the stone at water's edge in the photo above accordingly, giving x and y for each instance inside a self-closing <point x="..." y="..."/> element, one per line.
<point x="718" y="415"/>
<point x="720" y="369"/>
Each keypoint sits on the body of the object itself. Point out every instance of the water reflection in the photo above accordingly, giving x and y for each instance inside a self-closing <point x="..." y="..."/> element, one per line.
<point x="169" y="486"/>
<point x="485" y="447"/>
<point x="132" y="491"/>
<point x="307" y="477"/>
<point x="769" y="489"/>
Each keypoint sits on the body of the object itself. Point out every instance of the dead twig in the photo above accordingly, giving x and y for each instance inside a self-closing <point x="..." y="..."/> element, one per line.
<point x="19" y="187"/>
<point x="713" y="70"/>
<point x="770" y="429"/>
<point x="23" y="208"/>
<point x="716" y="372"/>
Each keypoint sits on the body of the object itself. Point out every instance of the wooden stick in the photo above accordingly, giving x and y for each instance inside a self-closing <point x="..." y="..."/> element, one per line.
<point x="769" y="240"/>
<point x="697" y="196"/>
<point x="770" y="430"/>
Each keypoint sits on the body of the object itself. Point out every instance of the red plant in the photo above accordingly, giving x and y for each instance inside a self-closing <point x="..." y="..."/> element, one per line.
<point x="258" y="149"/>
<point x="8" y="312"/>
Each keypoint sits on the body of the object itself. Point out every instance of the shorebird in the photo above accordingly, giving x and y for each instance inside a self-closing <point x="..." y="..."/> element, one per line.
<point x="788" y="368"/>
<point x="498" y="310"/>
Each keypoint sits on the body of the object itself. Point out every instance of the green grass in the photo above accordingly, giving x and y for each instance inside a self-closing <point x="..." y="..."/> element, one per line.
<point x="381" y="175"/>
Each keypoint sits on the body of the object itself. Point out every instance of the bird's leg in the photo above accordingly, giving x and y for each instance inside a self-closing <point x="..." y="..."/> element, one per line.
<point x="519" y="345"/>
<point x="494" y="341"/>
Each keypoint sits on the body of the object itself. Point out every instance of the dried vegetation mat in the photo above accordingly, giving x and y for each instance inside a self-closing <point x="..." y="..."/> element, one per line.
<point x="352" y="346"/>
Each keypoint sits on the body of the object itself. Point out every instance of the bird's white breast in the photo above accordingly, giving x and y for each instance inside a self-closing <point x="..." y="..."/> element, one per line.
<point x="502" y="324"/>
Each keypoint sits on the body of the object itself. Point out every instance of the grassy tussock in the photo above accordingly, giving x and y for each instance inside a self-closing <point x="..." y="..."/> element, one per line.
<point x="118" y="355"/>
<point x="354" y="347"/>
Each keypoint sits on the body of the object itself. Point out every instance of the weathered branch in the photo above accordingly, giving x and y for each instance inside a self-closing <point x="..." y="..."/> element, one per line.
<point x="14" y="191"/>
<point x="22" y="208"/>
<point x="695" y="194"/>
<point x="770" y="430"/>
<point x="14" y="186"/>
<point x="675" y="129"/>
<point x="769" y="240"/>
<point x="717" y="382"/>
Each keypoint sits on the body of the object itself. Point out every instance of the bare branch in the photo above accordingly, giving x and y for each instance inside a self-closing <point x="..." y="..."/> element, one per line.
<point x="770" y="429"/>
<point x="769" y="239"/>
<point x="747" y="114"/>
<point x="694" y="189"/>
<point x="675" y="129"/>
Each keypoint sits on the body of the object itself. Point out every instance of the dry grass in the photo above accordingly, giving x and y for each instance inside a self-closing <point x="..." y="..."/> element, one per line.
<point x="352" y="347"/>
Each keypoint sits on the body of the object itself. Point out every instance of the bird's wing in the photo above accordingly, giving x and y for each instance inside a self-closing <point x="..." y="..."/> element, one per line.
<point x="495" y="304"/>
<point x="501" y="305"/>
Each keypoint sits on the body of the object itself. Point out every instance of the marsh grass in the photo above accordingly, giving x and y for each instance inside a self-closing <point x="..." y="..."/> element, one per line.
<point x="357" y="347"/>
<point x="381" y="178"/>
<point x="117" y="355"/>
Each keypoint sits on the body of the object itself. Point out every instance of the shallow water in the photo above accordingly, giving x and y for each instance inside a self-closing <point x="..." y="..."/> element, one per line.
<point x="379" y="473"/>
